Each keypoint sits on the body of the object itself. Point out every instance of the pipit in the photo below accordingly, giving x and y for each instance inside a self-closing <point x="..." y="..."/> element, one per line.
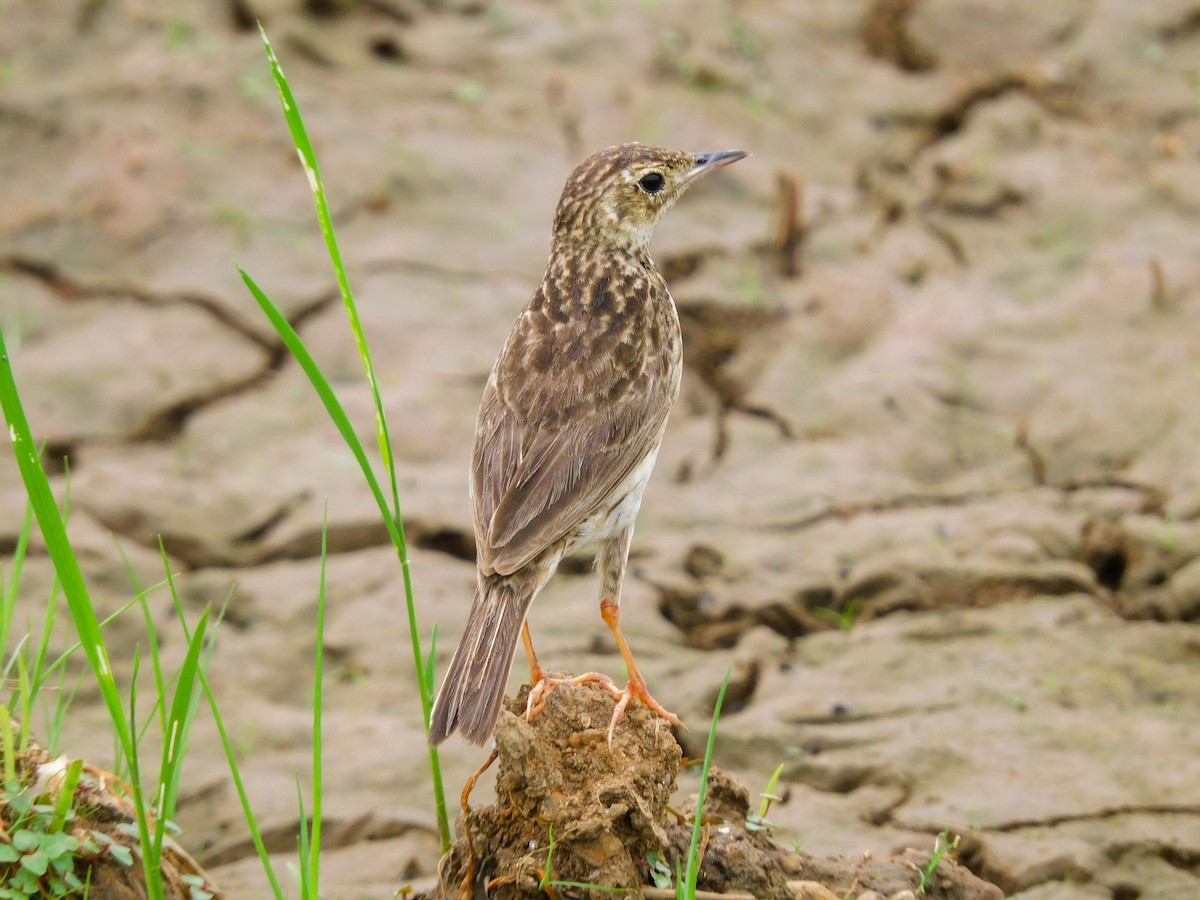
<point x="570" y="425"/>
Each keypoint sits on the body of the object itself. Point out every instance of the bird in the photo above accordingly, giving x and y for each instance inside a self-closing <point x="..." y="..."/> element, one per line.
<point x="569" y="427"/>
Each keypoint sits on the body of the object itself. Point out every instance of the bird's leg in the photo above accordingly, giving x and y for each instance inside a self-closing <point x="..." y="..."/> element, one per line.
<point x="636" y="686"/>
<point x="536" y="672"/>
<point x="539" y="682"/>
<point x="615" y="556"/>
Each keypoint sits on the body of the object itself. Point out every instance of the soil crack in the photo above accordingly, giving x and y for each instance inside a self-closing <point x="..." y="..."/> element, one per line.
<point x="1097" y="815"/>
<point x="950" y="118"/>
<point x="1153" y="501"/>
<point x="336" y="833"/>
<point x="72" y="290"/>
<point x="249" y="549"/>
<point x="167" y="423"/>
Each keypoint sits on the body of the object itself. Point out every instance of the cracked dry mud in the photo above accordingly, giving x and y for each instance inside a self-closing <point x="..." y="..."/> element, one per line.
<point x="944" y="330"/>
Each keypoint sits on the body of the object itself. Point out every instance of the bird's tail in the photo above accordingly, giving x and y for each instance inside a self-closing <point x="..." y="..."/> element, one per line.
<point x="470" y="695"/>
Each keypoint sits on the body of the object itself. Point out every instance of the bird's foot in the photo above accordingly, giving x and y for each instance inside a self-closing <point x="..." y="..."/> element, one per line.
<point x="543" y="683"/>
<point x="636" y="687"/>
<point x="536" y="700"/>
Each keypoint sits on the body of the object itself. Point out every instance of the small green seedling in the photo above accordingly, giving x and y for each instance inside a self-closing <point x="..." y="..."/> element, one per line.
<point x="549" y="883"/>
<point x="660" y="871"/>
<point x="685" y="886"/>
<point x="39" y="857"/>
<point x="758" y="821"/>
<point x="843" y="618"/>
<point x="545" y="882"/>
<point x="942" y="847"/>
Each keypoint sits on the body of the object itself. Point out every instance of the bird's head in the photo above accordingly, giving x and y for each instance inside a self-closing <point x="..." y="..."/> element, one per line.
<point x="616" y="197"/>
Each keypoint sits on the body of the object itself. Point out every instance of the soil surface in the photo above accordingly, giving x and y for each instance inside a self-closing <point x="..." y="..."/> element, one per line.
<point x="932" y="490"/>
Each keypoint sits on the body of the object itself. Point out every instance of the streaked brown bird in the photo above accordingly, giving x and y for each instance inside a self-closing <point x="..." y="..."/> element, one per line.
<point x="570" y="425"/>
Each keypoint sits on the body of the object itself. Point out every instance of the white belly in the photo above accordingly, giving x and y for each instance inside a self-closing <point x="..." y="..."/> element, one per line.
<point x="619" y="512"/>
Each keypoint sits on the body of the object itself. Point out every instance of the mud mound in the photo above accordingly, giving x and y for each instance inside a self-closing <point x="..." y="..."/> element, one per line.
<point x="559" y="780"/>
<point x="577" y="816"/>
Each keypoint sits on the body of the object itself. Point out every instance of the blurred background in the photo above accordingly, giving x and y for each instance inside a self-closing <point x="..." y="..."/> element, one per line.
<point x="933" y="486"/>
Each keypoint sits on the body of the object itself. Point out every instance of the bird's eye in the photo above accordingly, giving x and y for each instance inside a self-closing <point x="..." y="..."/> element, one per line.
<point x="652" y="182"/>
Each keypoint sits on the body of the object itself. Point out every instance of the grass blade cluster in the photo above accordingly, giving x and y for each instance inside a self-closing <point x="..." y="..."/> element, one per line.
<point x="54" y="533"/>
<point x="175" y="712"/>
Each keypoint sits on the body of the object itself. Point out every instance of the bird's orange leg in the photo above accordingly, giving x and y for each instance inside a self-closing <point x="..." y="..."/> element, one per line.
<point x="536" y="672"/>
<point x="539" y="682"/>
<point x="613" y="561"/>
<point x="610" y="611"/>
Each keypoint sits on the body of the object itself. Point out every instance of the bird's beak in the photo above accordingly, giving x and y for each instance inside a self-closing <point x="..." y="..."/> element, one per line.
<point x="706" y="162"/>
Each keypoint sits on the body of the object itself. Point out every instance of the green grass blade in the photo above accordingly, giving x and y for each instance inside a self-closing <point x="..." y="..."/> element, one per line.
<point x="7" y="746"/>
<point x="302" y="847"/>
<point x="83" y="613"/>
<point x="13" y="659"/>
<point x="55" y="535"/>
<point x="431" y="659"/>
<point x="230" y="756"/>
<point x="546" y="875"/>
<point x="768" y="796"/>
<point x="27" y="695"/>
<point x="66" y="794"/>
<point x="392" y="516"/>
<point x="150" y="854"/>
<point x="395" y="529"/>
<point x="177" y="725"/>
<point x="693" y="860"/>
<point x="61" y="659"/>
<point x="308" y="158"/>
<point x="586" y="886"/>
<point x="55" y="718"/>
<point x="8" y="590"/>
<point x="329" y="400"/>
<point x="43" y="648"/>
<point x="175" y="736"/>
<point x="314" y="838"/>
<point x="235" y="771"/>
<point x="160" y="688"/>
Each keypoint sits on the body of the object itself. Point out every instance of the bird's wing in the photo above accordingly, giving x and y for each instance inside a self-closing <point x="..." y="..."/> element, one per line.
<point x="570" y="410"/>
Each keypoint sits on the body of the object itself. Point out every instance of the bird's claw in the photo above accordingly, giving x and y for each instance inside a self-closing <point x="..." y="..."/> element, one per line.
<point x="536" y="701"/>
<point x="637" y="688"/>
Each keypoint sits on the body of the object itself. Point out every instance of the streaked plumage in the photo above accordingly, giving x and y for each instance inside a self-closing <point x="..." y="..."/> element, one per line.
<point x="571" y="419"/>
